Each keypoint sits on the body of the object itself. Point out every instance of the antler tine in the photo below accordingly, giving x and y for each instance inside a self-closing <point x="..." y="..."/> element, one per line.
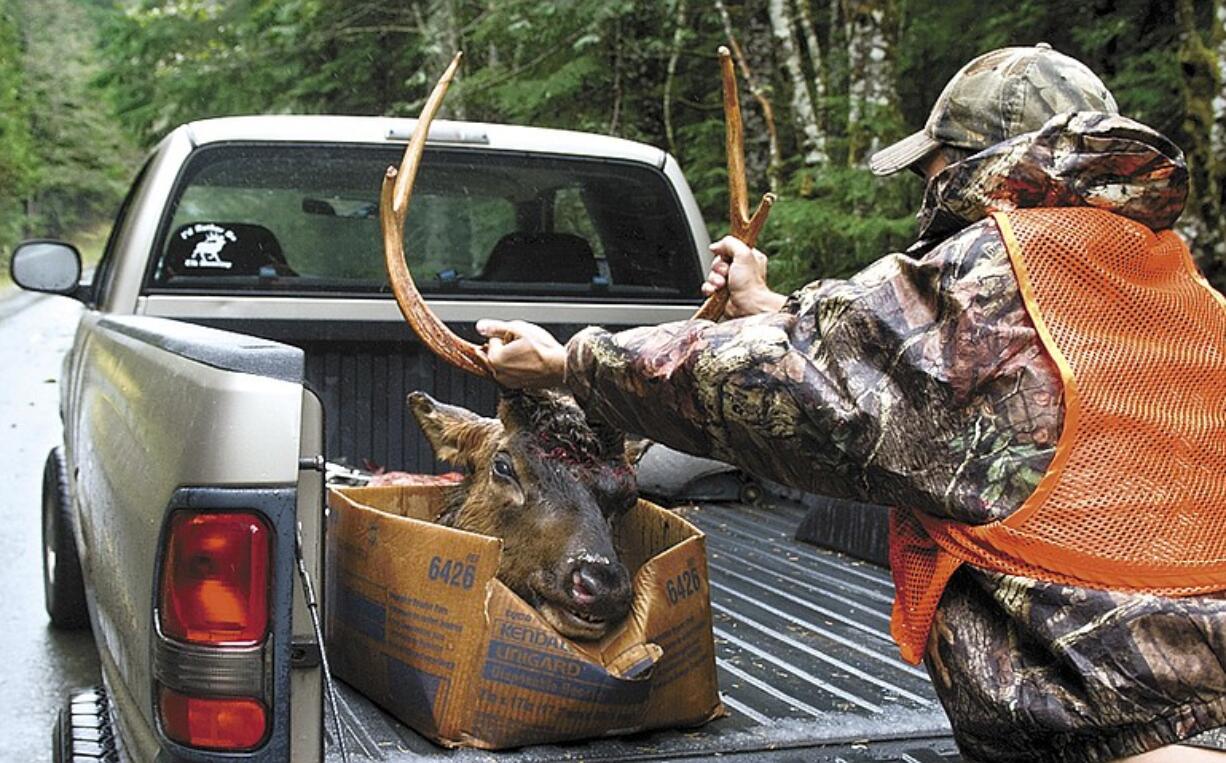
<point x="393" y="208"/>
<point x="734" y="145"/>
<point x="742" y="225"/>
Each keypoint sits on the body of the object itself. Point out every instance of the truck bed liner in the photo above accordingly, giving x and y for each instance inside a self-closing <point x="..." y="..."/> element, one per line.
<point x="804" y="656"/>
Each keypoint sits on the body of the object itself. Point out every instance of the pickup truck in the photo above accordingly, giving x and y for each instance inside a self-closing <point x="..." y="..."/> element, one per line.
<point x="239" y="335"/>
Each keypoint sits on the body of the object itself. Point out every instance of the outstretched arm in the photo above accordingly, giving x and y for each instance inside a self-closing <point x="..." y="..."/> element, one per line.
<point x="918" y="382"/>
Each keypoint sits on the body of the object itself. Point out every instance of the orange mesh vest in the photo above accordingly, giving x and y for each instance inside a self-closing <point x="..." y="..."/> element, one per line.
<point x="1135" y="496"/>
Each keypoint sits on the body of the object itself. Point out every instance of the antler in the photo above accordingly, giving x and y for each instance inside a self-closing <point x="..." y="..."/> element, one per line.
<point x="743" y="226"/>
<point x="393" y="208"/>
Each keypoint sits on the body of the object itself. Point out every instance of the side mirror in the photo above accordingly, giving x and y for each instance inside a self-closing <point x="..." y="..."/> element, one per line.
<point x="48" y="266"/>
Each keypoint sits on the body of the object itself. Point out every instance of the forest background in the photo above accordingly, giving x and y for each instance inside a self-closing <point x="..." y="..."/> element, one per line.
<point x="88" y="86"/>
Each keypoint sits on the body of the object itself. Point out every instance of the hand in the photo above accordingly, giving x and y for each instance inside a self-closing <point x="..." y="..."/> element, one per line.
<point x="745" y="278"/>
<point x="523" y="354"/>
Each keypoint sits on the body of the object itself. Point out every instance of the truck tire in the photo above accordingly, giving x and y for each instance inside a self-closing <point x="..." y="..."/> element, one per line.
<point x="82" y="732"/>
<point x="63" y="589"/>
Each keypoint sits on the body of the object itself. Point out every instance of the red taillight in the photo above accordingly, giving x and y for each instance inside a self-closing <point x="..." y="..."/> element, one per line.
<point x="215" y="578"/>
<point x="215" y="723"/>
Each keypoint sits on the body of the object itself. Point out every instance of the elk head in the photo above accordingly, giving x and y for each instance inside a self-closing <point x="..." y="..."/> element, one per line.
<point x="546" y="483"/>
<point x="539" y="476"/>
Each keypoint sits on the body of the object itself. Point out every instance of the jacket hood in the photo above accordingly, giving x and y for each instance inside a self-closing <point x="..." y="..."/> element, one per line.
<point x="1077" y="159"/>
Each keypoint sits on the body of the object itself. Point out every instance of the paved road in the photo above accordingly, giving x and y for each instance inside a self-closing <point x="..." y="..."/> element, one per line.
<point x="40" y="663"/>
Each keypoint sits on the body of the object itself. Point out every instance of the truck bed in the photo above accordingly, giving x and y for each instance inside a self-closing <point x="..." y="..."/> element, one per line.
<point x="807" y="669"/>
<point x="804" y="655"/>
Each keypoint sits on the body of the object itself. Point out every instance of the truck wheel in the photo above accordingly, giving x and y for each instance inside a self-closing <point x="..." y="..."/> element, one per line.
<point x="82" y="732"/>
<point x="63" y="590"/>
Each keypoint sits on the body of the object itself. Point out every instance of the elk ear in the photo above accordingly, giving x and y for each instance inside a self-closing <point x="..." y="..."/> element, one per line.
<point x="636" y="448"/>
<point x="456" y="434"/>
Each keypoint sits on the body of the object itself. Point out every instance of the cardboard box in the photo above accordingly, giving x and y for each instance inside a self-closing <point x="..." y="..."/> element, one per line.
<point x="418" y="622"/>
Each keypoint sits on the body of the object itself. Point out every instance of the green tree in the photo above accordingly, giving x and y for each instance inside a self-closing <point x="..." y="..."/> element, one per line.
<point x="17" y="162"/>
<point x="80" y="158"/>
<point x="853" y="74"/>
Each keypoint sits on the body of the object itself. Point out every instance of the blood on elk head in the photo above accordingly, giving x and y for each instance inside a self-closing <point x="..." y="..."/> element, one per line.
<point x="540" y="476"/>
<point x="551" y="486"/>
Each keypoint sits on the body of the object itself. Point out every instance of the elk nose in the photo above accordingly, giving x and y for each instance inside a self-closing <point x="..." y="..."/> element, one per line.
<point x="591" y="581"/>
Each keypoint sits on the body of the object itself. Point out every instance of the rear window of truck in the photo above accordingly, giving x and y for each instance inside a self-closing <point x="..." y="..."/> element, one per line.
<point x="304" y="218"/>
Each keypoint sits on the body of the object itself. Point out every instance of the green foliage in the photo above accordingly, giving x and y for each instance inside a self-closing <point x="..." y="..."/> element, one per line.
<point x="594" y="65"/>
<point x="171" y="62"/>
<point x="835" y="221"/>
<point x="17" y="163"/>
<point x="63" y="160"/>
<point x="79" y="152"/>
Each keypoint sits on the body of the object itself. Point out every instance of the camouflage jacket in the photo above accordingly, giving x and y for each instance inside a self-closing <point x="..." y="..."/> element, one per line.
<point x="921" y="382"/>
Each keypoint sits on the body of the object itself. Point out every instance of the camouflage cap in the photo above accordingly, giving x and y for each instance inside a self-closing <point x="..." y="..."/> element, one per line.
<point x="997" y="96"/>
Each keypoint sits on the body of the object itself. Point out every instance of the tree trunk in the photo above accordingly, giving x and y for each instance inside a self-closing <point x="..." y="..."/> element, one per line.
<point x="803" y="114"/>
<point x="1219" y="145"/>
<point x="774" y="165"/>
<point x="837" y="82"/>
<point x="617" y="78"/>
<point x="445" y="27"/>
<point x="673" y="55"/>
<point x="1201" y="223"/>
<point x="872" y="89"/>
<point x="818" y="62"/>
<point x="1218" y="140"/>
<point x="1219" y="102"/>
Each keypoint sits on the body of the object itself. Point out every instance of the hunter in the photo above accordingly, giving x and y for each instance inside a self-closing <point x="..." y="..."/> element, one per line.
<point x="1037" y="385"/>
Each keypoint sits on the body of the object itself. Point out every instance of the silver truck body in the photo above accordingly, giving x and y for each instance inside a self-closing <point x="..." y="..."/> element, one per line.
<point x="150" y="408"/>
<point x="229" y="398"/>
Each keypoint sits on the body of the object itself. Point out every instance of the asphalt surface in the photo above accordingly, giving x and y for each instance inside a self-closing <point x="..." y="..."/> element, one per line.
<point x="40" y="664"/>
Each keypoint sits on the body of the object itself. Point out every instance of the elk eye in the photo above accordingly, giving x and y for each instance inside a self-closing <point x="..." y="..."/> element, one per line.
<point x="502" y="467"/>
